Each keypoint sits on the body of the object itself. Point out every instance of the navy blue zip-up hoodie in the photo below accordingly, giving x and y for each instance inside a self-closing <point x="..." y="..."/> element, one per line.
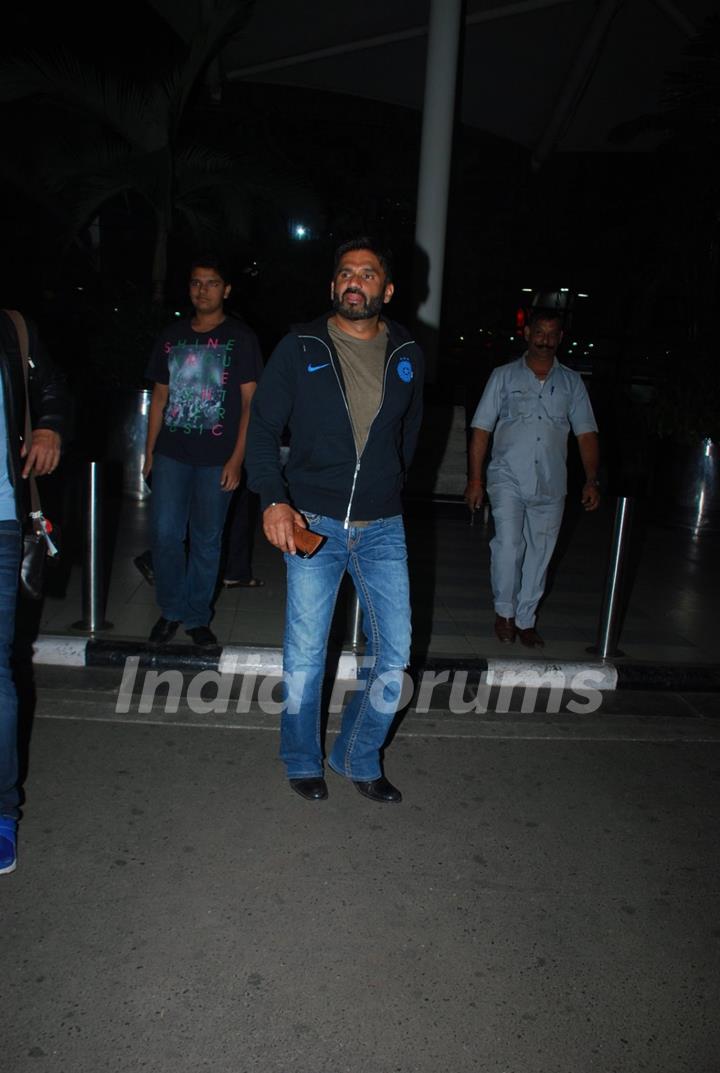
<point x="302" y="389"/>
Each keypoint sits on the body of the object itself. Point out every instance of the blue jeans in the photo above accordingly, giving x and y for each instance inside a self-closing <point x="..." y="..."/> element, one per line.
<point x="9" y="574"/>
<point x="376" y="559"/>
<point x="186" y="501"/>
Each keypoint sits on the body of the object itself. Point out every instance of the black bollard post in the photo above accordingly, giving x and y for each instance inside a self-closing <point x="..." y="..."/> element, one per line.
<point x="93" y="581"/>
<point x="609" y="627"/>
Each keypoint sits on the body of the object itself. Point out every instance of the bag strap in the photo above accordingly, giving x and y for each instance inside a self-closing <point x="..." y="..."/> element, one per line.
<point x="23" y="339"/>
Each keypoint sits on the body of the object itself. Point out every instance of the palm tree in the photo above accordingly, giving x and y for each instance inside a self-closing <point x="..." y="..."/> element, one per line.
<point x="97" y="136"/>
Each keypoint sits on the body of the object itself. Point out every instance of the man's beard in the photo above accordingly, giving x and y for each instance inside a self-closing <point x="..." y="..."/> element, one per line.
<point x="371" y="308"/>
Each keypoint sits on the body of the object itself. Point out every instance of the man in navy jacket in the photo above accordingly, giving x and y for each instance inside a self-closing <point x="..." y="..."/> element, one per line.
<point x="348" y="387"/>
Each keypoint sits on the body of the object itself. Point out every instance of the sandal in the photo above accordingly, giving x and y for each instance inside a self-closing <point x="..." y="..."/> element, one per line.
<point x="252" y="583"/>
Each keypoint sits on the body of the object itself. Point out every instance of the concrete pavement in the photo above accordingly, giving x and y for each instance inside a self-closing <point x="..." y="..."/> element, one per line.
<point x="668" y="638"/>
<point x="543" y="901"/>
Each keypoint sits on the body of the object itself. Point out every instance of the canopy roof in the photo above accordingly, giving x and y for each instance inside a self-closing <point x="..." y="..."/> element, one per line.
<point x="554" y="73"/>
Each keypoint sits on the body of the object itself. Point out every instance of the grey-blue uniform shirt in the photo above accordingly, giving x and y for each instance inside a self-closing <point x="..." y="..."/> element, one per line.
<point x="531" y="420"/>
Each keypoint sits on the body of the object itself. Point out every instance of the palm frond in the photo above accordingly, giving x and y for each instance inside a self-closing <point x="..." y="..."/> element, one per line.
<point x="226" y="18"/>
<point x="137" y="113"/>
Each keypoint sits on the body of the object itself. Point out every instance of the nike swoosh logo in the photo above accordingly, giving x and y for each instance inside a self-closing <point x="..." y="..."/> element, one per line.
<point x="314" y="368"/>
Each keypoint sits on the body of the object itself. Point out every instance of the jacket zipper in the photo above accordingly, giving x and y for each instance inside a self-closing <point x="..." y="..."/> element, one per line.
<point x="346" y="523"/>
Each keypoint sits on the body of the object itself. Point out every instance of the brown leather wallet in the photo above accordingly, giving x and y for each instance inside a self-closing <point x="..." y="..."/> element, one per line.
<point x="307" y="542"/>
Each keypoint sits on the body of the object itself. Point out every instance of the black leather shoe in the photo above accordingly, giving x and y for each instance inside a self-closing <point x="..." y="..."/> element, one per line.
<point x="310" y="789"/>
<point x="202" y="636"/>
<point x="163" y="631"/>
<point x="379" y="790"/>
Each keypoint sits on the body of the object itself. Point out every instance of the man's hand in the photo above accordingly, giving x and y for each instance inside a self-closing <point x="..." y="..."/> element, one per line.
<point x="590" y="496"/>
<point x="147" y="465"/>
<point x="44" y="453"/>
<point x="278" y="523"/>
<point x="474" y="494"/>
<point x="230" y="476"/>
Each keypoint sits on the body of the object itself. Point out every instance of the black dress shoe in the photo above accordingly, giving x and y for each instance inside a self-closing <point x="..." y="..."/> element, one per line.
<point x="310" y="789"/>
<point x="379" y="790"/>
<point x="202" y="636"/>
<point x="163" y="631"/>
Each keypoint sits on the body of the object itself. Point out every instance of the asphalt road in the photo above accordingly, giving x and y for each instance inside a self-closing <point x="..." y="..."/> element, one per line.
<point x="545" y="900"/>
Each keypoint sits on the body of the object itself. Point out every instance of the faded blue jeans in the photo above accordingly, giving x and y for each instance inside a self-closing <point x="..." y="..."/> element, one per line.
<point x="375" y="556"/>
<point x="10" y="546"/>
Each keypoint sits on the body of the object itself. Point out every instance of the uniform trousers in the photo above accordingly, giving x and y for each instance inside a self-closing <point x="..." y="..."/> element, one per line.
<point x="526" y="531"/>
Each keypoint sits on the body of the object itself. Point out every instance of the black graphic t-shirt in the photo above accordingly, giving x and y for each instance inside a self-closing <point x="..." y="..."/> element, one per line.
<point x="204" y="371"/>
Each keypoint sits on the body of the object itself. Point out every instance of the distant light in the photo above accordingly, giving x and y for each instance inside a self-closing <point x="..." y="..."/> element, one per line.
<point x="708" y="447"/>
<point x="462" y="338"/>
<point x="80" y="288"/>
<point x="591" y="344"/>
<point x="300" y="231"/>
<point x="116" y="310"/>
<point x="177" y="313"/>
<point x="527" y="290"/>
<point x="583" y="295"/>
<point x="564" y="290"/>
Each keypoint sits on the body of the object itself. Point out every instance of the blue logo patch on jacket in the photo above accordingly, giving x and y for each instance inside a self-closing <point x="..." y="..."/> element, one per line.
<point x="405" y="370"/>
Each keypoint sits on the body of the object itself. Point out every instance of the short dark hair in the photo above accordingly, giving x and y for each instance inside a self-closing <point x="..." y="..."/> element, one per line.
<point x="211" y="260"/>
<point x="537" y="313"/>
<point x="366" y="242"/>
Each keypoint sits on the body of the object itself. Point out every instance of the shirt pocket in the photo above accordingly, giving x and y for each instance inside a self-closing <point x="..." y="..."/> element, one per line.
<point x="557" y="404"/>
<point x="519" y="406"/>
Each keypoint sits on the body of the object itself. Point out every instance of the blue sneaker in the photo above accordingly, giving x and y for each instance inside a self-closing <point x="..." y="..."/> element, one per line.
<point x="8" y="845"/>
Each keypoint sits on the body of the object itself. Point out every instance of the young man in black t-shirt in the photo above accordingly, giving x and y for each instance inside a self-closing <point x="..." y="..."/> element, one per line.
<point x="205" y="371"/>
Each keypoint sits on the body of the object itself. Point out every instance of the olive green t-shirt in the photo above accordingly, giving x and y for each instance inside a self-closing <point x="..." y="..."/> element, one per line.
<point x="362" y="362"/>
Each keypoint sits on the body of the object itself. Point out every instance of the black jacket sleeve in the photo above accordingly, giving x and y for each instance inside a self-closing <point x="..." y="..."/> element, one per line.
<point x="270" y="412"/>
<point x="413" y="418"/>
<point x="49" y="398"/>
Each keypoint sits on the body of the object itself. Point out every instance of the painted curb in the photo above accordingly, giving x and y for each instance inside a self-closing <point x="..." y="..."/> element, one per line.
<point x="266" y="661"/>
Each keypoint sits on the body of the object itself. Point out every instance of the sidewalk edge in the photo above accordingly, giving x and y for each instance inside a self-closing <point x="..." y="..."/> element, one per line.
<point x="604" y="675"/>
